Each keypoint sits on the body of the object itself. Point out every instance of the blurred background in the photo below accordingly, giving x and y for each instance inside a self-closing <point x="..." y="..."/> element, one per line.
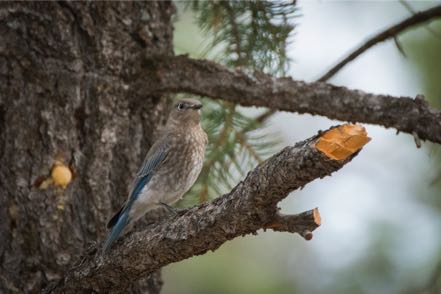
<point x="381" y="214"/>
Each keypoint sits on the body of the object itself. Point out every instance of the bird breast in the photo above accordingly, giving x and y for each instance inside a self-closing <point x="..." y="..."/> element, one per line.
<point x="182" y="166"/>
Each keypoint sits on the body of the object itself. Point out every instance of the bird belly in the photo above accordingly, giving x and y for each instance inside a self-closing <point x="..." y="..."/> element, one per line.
<point x="193" y="175"/>
<point x="183" y="182"/>
<point x="147" y="200"/>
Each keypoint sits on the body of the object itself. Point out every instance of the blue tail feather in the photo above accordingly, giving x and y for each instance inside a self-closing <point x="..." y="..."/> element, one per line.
<point x="119" y="221"/>
<point x="117" y="229"/>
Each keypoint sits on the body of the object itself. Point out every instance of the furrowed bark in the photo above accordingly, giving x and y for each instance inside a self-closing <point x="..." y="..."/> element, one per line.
<point x="250" y="206"/>
<point x="64" y="68"/>
<point x="206" y="78"/>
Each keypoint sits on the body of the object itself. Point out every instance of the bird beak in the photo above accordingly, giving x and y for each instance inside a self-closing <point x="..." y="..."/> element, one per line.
<point x="197" y="106"/>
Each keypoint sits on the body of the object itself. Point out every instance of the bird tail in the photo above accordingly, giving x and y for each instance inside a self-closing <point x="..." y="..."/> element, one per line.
<point x="117" y="228"/>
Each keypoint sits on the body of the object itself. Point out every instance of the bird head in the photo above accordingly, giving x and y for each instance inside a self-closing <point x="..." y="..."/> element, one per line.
<point x="185" y="113"/>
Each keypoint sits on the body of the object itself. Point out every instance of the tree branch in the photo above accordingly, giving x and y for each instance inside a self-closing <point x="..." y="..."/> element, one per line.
<point x="206" y="78"/>
<point x="303" y="223"/>
<point x="250" y="206"/>
<point x="391" y="32"/>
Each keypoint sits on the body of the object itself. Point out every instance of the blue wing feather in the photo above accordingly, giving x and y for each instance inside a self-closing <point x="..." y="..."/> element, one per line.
<point x="117" y="229"/>
<point x="138" y="185"/>
<point x="145" y="174"/>
<point x="154" y="158"/>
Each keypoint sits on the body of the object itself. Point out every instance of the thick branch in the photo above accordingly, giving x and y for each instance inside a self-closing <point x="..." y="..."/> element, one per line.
<point x="206" y="78"/>
<point x="391" y="32"/>
<point x="250" y="206"/>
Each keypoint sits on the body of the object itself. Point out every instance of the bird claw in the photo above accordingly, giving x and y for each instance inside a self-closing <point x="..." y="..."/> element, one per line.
<point x="170" y="209"/>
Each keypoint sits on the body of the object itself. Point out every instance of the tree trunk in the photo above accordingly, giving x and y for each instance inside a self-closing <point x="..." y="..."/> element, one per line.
<point x="67" y="95"/>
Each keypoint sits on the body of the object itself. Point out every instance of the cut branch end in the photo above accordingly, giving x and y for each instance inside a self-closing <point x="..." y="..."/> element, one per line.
<point x="341" y="142"/>
<point x="303" y="223"/>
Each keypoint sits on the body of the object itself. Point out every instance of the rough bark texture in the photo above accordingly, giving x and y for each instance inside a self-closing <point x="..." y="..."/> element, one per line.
<point x="66" y="72"/>
<point x="250" y="206"/>
<point x="206" y="78"/>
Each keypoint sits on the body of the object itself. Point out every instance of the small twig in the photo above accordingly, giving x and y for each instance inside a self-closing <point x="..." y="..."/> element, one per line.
<point x="416" y="19"/>
<point x="303" y="223"/>
<point x="413" y="11"/>
<point x="416" y="139"/>
<point x="399" y="47"/>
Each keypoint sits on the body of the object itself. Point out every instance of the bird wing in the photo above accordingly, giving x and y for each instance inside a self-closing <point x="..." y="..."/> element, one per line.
<point x="154" y="158"/>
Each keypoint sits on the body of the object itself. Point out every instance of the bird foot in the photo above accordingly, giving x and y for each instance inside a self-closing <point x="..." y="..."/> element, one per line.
<point x="170" y="209"/>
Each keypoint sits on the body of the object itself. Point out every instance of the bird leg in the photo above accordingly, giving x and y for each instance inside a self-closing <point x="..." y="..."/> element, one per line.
<point x="169" y="208"/>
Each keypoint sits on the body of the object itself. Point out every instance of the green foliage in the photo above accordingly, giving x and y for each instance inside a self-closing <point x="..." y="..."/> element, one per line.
<point x="252" y="35"/>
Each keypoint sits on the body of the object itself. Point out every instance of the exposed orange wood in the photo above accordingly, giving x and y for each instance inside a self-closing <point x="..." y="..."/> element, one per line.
<point x="341" y="142"/>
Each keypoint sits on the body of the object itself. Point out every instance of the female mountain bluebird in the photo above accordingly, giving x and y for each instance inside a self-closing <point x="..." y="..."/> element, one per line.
<point x="170" y="168"/>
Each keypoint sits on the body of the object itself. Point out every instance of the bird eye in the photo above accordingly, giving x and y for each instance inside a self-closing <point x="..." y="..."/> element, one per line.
<point x="181" y="106"/>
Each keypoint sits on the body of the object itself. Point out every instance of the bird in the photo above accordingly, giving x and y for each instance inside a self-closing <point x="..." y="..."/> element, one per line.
<point x="169" y="170"/>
